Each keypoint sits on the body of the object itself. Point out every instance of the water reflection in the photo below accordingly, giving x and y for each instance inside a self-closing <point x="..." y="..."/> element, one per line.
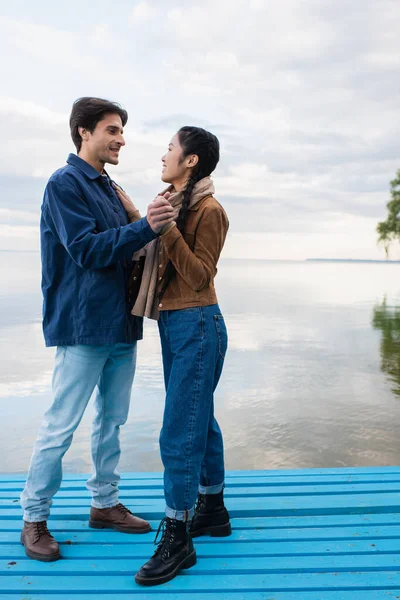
<point x="386" y="318"/>
<point x="304" y="383"/>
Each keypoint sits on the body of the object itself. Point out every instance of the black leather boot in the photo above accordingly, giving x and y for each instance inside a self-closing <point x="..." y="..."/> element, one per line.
<point x="210" y="516"/>
<point x="174" y="552"/>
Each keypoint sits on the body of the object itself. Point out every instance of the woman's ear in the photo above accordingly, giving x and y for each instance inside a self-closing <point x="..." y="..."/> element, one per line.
<point x="192" y="161"/>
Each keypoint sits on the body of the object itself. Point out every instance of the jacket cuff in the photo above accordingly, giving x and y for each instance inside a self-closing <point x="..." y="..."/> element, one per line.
<point x="170" y="237"/>
<point x="167" y="228"/>
<point x="146" y="230"/>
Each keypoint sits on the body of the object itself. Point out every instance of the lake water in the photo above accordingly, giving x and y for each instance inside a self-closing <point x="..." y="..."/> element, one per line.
<point x="311" y="378"/>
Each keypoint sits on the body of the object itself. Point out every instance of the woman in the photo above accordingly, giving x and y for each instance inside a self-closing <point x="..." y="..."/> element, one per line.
<point x="178" y="288"/>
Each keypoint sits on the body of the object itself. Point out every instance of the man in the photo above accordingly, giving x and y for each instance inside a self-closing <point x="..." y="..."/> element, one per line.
<point x="87" y="244"/>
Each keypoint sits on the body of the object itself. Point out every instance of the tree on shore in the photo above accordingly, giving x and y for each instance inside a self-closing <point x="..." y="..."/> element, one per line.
<point x="389" y="230"/>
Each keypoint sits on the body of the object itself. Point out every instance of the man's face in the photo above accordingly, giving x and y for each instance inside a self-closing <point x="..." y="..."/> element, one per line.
<point x="104" y="144"/>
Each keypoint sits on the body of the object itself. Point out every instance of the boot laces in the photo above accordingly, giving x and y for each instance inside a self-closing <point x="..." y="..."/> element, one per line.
<point x="123" y="509"/>
<point x="200" y="502"/>
<point x="41" y="530"/>
<point x="167" y="531"/>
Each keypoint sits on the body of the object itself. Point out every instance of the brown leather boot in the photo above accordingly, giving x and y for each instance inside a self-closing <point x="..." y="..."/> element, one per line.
<point x="119" y="518"/>
<point x="39" y="543"/>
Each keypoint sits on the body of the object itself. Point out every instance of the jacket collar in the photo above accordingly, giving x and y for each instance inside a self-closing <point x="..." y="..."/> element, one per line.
<point x="83" y="166"/>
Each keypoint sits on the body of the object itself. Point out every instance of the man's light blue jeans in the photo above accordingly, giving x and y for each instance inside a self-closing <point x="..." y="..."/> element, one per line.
<point x="78" y="369"/>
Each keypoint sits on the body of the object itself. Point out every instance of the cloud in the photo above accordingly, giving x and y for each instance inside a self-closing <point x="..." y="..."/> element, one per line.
<point x="39" y="138"/>
<point x="142" y="12"/>
<point x="19" y="237"/>
<point x="54" y="45"/>
<point x="302" y="95"/>
<point x="31" y="111"/>
<point x="8" y="214"/>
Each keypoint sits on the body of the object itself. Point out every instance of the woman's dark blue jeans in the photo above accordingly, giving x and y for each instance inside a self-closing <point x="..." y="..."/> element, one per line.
<point x="194" y="343"/>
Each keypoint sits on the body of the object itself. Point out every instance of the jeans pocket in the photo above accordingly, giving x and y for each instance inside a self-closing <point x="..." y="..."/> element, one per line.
<point x="221" y="334"/>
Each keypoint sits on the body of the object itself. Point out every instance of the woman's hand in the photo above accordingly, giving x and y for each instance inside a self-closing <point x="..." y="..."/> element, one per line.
<point x="130" y="208"/>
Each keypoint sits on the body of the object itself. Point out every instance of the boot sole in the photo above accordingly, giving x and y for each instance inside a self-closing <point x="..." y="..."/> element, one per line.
<point x="213" y="531"/>
<point x="41" y="557"/>
<point x="187" y="563"/>
<point x="100" y="525"/>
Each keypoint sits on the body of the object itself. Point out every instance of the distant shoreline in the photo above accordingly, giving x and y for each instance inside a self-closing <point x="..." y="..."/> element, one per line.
<point x="265" y="260"/>
<point x="353" y="260"/>
<point x="20" y="251"/>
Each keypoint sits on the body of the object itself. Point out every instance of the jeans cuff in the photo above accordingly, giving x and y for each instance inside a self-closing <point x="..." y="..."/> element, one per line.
<point x="106" y="503"/>
<point x="211" y="489"/>
<point x="179" y="515"/>
<point x="35" y="518"/>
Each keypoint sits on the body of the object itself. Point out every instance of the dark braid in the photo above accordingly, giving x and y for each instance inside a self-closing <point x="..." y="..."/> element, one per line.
<point x="194" y="140"/>
<point x="181" y="219"/>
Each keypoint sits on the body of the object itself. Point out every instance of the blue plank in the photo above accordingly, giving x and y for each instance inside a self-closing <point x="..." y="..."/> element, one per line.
<point x="395" y="470"/>
<point x="104" y="536"/>
<point x="232" y="482"/>
<point x="218" y="549"/>
<point x="79" y="497"/>
<point x="210" y="566"/>
<point x="158" y="594"/>
<point x="248" y="507"/>
<point x="313" y="521"/>
<point x="80" y="522"/>
<point x="186" y="582"/>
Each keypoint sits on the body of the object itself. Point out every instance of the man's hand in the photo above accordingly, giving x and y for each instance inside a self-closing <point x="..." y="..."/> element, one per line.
<point x="160" y="213"/>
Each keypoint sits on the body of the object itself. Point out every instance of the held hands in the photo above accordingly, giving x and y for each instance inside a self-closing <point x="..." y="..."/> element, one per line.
<point x="160" y="213"/>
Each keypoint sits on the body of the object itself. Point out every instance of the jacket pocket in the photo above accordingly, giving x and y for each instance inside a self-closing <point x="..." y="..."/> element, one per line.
<point x="104" y="298"/>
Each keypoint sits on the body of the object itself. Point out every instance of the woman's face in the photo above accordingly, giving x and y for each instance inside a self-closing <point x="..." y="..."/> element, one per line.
<point x="173" y="170"/>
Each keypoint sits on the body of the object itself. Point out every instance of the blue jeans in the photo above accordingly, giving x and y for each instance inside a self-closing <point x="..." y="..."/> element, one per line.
<point x="194" y="342"/>
<point x="78" y="369"/>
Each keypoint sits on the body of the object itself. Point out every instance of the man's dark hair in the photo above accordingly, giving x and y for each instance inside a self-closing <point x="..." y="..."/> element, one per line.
<point x="87" y="112"/>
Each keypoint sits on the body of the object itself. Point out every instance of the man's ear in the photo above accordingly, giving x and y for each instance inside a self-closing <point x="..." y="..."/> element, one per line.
<point x="192" y="160"/>
<point x="84" y="133"/>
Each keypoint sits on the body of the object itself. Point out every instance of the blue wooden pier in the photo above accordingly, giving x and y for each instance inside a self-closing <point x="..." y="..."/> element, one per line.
<point x="320" y="534"/>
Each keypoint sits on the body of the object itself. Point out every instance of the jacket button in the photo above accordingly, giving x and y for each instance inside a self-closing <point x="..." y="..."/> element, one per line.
<point x="134" y="279"/>
<point x="160" y="305"/>
<point x="160" y="266"/>
<point x="159" y="279"/>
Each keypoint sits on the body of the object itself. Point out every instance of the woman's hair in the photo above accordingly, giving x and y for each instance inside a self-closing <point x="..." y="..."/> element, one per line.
<point x="193" y="140"/>
<point x="87" y="112"/>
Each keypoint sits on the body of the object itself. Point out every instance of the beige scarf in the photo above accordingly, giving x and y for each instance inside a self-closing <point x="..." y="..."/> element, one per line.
<point x="146" y="304"/>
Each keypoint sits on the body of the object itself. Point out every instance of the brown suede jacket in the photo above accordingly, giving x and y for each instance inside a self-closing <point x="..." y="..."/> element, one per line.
<point x="194" y="255"/>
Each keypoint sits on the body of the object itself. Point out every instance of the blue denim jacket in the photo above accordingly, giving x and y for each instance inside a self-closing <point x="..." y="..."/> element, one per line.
<point x="86" y="247"/>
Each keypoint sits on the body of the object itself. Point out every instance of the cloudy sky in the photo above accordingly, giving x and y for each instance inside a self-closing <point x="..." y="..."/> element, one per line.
<point x="303" y="94"/>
